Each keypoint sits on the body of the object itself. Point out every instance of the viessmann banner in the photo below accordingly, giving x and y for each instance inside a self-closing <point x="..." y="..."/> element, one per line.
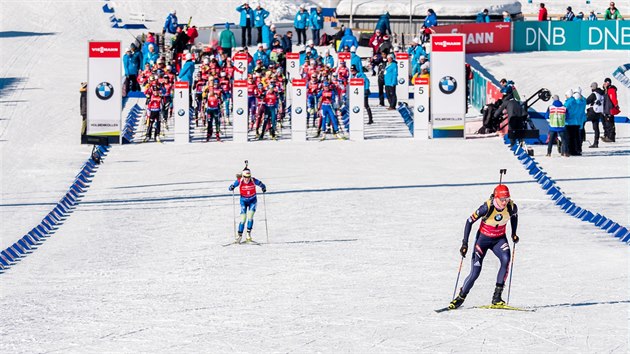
<point x="571" y="36"/>
<point x="483" y="37"/>
<point x="104" y="89"/>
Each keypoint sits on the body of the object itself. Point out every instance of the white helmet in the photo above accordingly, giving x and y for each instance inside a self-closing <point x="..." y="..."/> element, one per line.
<point x="188" y="56"/>
<point x="309" y="42"/>
<point x="206" y="61"/>
<point x="415" y="40"/>
<point x="353" y="49"/>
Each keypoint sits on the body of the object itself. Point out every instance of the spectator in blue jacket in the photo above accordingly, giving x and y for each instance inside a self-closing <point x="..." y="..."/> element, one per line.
<point x="579" y="17"/>
<point x="246" y="23"/>
<point x="391" y="81"/>
<point x="317" y="23"/>
<point x="359" y="74"/>
<point x="483" y="17"/>
<point x="151" y="57"/>
<point x="261" y="55"/>
<point x="267" y="36"/>
<point x="328" y="59"/>
<point x="355" y="60"/>
<point x="186" y="74"/>
<point x="507" y="17"/>
<point x="310" y="48"/>
<point x="301" y="24"/>
<point x="576" y="117"/>
<point x="171" y="24"/>
<point x="131" y="64"/>
<point x="592" y="16"/>
<point x="383" y="24"/>
<point x="415" y="51"/>
<point x="348" y="40"/>
<point x="260" y="15"/>
<point x="429" y="22"/>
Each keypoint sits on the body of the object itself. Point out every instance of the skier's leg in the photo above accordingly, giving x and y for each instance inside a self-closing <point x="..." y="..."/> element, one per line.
<point x="481" y="246"/>
<point x="502" y="250"/>
<point x="250" y="216"/>
<point x="241" y="224"/>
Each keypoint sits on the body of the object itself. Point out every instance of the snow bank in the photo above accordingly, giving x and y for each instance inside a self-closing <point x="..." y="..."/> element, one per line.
<point x="419" y="8"/>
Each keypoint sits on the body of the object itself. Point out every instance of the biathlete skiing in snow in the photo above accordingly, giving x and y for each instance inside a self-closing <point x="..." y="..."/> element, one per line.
<point x="247" y="187"/>
<point x="494" y="214"/>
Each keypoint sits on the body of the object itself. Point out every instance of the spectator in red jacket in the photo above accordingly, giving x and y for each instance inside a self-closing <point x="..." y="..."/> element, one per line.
<point x="611" y="109"/>
<point x="192" y="35"/>
<point x="375" y="41"/>
<point x="542" y="13"/>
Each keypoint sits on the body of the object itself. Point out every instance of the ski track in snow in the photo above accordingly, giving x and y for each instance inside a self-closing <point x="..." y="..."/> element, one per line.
<point x="364" y="236"/>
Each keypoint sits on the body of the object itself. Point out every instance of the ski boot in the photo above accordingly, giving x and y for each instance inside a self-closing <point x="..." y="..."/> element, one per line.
<point x="496" y="298"/>
<point x="239" y="237"/>
<point x="249" y="236"/>
<point x="457" y="302"/>
<point x="218" y="137"/>
<point x="157" y="138"/>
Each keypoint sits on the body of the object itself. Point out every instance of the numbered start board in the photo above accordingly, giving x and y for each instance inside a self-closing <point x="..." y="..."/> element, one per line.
<point x="241" y="112"/>
<point x="298" y="110"/>
<point x="402" y="90"/>
<point x="293" y="66"/>
<point x="240" y="66"/>
<point x="181" y="112"/>
<point x="356" y="101"/>
<point x="421" y="129"/>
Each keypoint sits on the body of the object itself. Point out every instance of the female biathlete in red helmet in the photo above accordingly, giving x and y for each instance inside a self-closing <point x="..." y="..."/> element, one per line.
<point x="494" y="215"/>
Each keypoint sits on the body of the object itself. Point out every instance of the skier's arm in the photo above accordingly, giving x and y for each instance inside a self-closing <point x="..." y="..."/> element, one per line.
<point x="482" y="210"/>
<point x="514" y="221"/>
<point x="261" y="185"/>
<point x="233" y="185"/>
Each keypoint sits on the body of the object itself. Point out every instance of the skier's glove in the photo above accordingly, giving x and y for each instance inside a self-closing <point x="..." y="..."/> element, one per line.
<point x="231" y="188"/>
<point x="463" y="250"/>
<point x="515" y="238"/>
<point x="264" y="189"/>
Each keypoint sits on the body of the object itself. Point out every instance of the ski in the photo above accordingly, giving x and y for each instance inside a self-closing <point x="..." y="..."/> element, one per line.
<point x="503" y="307"/>
<point x="251" y="243"/>
<point x="444" y="309"/>
<point x="230" y="244"/>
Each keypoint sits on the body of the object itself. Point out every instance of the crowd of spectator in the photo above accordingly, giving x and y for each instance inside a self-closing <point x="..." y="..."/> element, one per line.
<point x="567" y="119"/>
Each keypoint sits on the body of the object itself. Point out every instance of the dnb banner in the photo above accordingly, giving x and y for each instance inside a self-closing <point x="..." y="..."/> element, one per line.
<point x="448" y="85"/>
<point x="104" y="90"/>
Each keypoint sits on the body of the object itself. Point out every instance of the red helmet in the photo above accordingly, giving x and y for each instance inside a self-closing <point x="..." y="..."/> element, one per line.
<point x="501" y="191"/>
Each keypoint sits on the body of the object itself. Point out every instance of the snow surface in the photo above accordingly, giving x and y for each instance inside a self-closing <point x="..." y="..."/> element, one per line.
<point x="364" y="237"/>
<point x="420" y="7"/>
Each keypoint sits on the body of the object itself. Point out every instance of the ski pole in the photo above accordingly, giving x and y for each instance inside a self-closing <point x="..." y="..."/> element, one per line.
<point x="233" y="213"/>
<point x="266" y="227"/>
<point x="511" y="265"/>
<point x="459" y="271"/>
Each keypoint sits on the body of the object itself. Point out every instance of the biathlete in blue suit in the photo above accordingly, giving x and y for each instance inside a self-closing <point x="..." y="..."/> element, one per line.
<point x="247" y="186"/>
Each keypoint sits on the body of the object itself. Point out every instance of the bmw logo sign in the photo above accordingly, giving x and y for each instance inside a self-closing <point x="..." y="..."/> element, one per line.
<point x="298" y="110"/>
<point x="239" y="111"/>
<point x="104" y="91"/>
<point x="420" y="108"/>
<point x="448" y="85"/>
<point x="181" y="112"/>
<point x="356" y="109"/>
<point x="401" y="81"/>
<point x="498" y="217"/>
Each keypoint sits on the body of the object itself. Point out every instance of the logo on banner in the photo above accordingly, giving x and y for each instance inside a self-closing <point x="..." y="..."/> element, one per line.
<point x="298" y="110"/>
<point x="181" y="112"/>
<point x="239" y="111"/>
<point x="356" y="109"/>
<point x="447" y="44"/>
<point x="448" y="85"/>
<point x="401" y="81"/>
<point x="420" y="108"/>
<point x="104" y="91"/>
